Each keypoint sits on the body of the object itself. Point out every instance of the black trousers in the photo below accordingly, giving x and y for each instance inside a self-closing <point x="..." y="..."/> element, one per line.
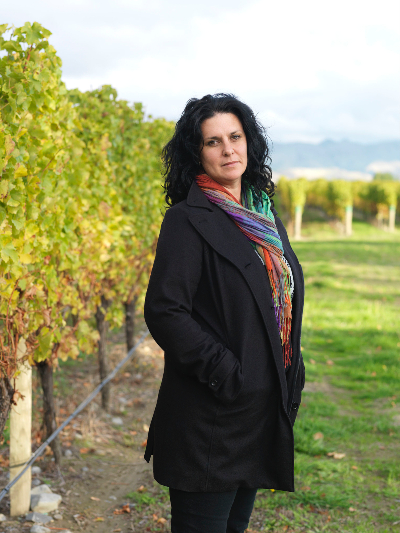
<point x="211" y="512"/>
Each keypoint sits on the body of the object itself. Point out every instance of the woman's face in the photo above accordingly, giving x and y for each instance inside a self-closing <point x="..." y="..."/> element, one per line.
<point x="224" y="151"/>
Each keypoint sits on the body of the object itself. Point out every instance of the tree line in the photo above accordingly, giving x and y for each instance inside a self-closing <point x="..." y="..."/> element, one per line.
<point x="378" y="199"/>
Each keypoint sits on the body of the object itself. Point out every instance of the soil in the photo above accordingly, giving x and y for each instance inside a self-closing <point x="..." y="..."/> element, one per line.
<point x="107" y="459"/>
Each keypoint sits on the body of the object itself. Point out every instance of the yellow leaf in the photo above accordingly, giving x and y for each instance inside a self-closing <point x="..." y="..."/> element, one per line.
<point x="20" y="171"/>
<point x="26" y="259"/>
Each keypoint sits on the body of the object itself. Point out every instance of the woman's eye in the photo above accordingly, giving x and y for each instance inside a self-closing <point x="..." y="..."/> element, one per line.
<point x="236" y="137"/>
<point x="212" y="143"/>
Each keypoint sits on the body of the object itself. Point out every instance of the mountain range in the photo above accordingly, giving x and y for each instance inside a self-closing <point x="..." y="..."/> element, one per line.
<point x="327" y="154"/>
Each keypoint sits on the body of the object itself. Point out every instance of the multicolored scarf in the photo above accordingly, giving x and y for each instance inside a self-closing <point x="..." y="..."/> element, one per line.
<point x="255" y="219"/>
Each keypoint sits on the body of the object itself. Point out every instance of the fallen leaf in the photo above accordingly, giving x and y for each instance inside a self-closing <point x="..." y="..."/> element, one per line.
<point x="98" y="519"/>
<point x="305" y="488"/>
<point x="116" y="530"/>
<point x="126" y="375"/>
<point x="373" y="374"/>
<point x="318" y="436"/>
<point x="142" y="488"/>
<point x="329" y="362"/>
<point x="84" y="450"/>
<point x="312" y="361"/>
<point x="146" y="428"/>
<point x="94" y="498"/>
<point x="351" y="509"/>
<point x="155" y="517"/>
<point x="354" y="467"/>
<point x="162" y="520"/>
<point x="133" y="432"/>
<point x="144" y="443"/>
<point x="336" y="455"/>
<point x="124" y="509"/>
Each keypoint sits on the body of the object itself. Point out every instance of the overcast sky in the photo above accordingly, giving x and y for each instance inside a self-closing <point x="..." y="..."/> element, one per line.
<point x="311" y="69"/>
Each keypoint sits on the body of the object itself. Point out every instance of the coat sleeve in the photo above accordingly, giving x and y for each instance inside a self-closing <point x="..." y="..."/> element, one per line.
<point x="168" y="306"/>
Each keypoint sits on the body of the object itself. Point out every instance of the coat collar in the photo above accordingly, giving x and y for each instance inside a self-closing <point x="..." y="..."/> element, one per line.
<point x="196" y="198"/>
<point x="222" y="234"/>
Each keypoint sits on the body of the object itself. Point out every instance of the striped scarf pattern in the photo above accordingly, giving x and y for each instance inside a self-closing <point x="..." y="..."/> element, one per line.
<point x="256" y="220"/>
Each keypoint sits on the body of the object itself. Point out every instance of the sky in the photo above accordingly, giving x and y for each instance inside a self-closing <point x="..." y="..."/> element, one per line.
<point x="311" y="70"/>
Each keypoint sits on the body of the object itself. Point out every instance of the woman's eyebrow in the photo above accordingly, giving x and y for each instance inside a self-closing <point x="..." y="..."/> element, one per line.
<point x="218" y="137"/>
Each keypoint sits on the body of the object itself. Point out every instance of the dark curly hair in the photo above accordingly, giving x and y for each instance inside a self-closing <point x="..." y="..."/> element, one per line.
<point x="181" y="155"/>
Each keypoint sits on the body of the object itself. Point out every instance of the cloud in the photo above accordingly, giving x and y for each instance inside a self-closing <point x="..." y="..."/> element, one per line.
<point x="392" y="167"/>
<point x="310" y="69"/>
<point x="331" y="173"/>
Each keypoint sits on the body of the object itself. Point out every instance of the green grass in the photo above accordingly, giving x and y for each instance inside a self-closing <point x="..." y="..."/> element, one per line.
<point x="351" y="348"/>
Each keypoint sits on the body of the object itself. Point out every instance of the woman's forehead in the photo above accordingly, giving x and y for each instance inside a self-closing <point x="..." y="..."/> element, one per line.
<point x="220" y="124"/>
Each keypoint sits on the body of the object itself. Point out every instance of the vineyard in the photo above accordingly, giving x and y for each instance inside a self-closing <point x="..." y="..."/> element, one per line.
<point x="81" y="203"/>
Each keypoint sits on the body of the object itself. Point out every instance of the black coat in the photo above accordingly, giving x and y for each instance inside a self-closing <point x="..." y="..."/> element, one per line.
<point x="225" y="408"/>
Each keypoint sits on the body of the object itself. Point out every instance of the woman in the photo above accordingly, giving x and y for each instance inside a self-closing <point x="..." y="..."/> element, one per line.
<point x="224" y="302"/>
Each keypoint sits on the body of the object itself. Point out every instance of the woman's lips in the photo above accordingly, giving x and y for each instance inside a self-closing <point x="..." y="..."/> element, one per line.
<point x="230" y="163"/>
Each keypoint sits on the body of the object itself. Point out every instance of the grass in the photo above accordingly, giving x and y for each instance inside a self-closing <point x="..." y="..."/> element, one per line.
<point x="351" y="348"/>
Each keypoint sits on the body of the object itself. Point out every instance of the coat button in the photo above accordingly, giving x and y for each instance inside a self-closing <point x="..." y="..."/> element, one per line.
<point x="295" y="406"/>
<point x="214" y="382"/>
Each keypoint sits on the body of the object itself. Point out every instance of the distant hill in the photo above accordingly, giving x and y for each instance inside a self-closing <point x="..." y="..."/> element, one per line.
<point x="343" y="154"/>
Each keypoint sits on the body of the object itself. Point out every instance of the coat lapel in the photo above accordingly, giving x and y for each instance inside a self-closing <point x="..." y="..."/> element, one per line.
<point x="222" y="234"/>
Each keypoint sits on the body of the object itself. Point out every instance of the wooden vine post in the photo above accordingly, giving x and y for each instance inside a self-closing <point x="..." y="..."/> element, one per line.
<point x="348" y="223"/>
<point x="298" y="213"/>
<point x="20" y="436"/>
<point x="297" y="192"/>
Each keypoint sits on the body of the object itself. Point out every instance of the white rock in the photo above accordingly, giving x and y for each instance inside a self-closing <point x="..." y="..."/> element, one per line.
<point x="39" y="529"/>
<point x="58" y="516"/>
<point x="117" y="421"/>
<point x="3" y="518"/>
<point x="35" y="470"/>
<point x="41" y="489"/>
<point x="38" y="518"/>
<point x="36" y="482"/>
<point x="45" y="503"/>
<point x="85" y="469"/>
<point x="113" y="497"/>
<point x="68" y="453"/>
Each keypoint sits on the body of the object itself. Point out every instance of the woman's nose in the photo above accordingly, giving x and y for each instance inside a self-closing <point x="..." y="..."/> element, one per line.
<point x="228" y="149"/>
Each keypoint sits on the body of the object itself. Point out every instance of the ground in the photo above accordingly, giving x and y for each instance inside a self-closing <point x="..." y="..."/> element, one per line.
<point x="346" y="435"/>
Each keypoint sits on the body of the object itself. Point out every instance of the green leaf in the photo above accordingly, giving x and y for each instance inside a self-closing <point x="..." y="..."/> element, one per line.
<point x="8" y="252"/>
